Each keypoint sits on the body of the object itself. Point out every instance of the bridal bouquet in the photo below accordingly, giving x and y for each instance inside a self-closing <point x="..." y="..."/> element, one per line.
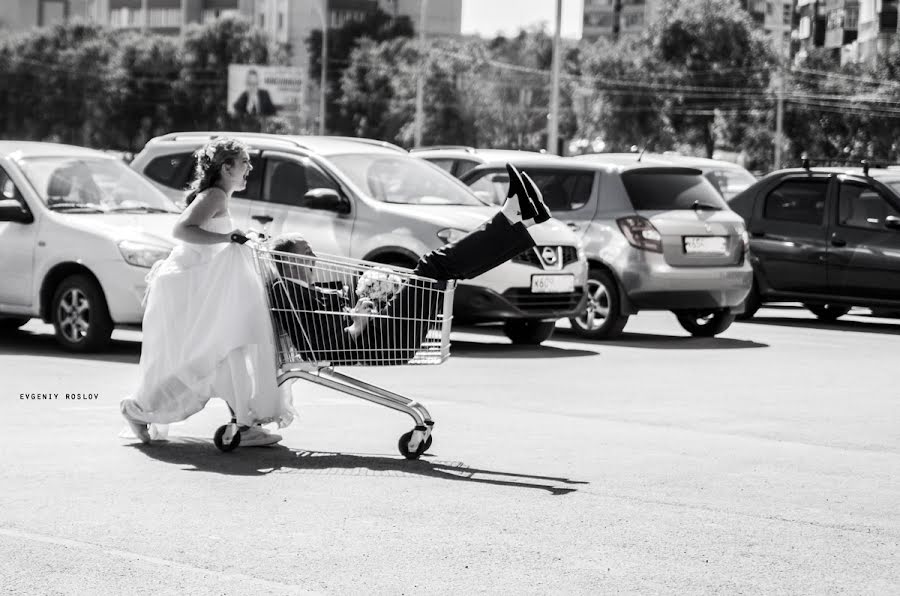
<point x="378" y="285"/>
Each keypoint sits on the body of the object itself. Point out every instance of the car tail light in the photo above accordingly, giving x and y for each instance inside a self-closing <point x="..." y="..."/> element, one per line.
<point x="640" y="233"/>
<point x="745" y="241"/>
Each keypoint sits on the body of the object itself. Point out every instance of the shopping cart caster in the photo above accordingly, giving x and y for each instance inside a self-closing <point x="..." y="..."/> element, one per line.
<point x="407" y="439"/>
<point x="227" y="438"/>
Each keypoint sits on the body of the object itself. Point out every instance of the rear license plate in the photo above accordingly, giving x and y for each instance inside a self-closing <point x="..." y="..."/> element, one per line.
<point x="705" y="245"/>
<point x="552" y="284"/>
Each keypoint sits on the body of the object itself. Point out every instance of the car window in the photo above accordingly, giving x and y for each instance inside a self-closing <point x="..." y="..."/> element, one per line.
<point x="561" y="190"/>
<point x="285" y="181"/>
<point x="443" y="163"/>
<point x="730" y="182"/>
<point x="8" y="188"/>
<point x="170" y="170"/>
<point x="463" y="166"/>
<point x="318" y="178"/>
<point x="801" y="201"/>
<point x="490" y="187"/>
<point x="663" y="189"/>
<point x="402" y="179"/>
<point x="861" y="206"/>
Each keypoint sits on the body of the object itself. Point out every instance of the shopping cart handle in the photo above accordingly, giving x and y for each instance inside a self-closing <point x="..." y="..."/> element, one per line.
<point x="239" y="238"/>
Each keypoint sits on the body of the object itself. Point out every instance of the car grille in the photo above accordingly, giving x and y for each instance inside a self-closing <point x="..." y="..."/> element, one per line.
<point x="527" y="301"/>
<point x="532" y="256"/>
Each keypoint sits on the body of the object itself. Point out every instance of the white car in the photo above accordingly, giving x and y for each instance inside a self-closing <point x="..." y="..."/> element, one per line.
<point x="371" y="200"/>
<point x="79" y="230"/>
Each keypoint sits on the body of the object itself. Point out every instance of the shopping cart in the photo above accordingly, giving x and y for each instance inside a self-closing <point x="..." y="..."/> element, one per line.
<point x="310" y="299"/>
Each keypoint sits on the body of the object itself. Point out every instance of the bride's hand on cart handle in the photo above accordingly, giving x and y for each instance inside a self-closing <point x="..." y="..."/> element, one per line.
<point x="238" y="236"/>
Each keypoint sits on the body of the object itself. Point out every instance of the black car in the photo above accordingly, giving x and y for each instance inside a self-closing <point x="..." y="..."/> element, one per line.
<point x="827" y="237"/>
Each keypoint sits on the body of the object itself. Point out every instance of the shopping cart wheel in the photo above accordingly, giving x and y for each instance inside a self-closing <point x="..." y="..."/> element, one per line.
<point x="403" y="446"/>
<point x="233" y="440"/>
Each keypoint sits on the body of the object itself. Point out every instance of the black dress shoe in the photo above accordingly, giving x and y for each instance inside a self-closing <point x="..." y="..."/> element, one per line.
<point x="517" y="189"/>
<point x="537" y="199"/>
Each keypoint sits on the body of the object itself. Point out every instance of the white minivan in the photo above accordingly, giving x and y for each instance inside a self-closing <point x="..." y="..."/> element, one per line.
<point x="371" y="200"/>
<point x="79" y="230"/>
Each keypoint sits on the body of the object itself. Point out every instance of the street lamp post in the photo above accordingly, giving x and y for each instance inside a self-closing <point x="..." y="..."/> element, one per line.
<point x="553" y="124"/>
<point x="420" y="79"/>
<point x="323" y="82"/>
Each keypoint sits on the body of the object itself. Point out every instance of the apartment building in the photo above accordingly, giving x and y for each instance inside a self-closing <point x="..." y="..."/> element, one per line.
<point x="853" y="30"/>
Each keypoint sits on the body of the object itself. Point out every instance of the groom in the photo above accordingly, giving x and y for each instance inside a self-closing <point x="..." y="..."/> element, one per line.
<point x="314" y="316"/>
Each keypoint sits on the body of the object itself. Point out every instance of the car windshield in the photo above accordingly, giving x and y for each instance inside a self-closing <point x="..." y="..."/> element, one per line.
<point x="730" y="182"/>
<point x="403" y="179"/>
<point x="663" y="189"/>
<point x="93" y="185"/>
<point x="894" y="185"/>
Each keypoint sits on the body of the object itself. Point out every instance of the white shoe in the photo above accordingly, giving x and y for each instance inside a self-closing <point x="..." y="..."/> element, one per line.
<point x="140" y="429"/>
<point x="257" y="436"/>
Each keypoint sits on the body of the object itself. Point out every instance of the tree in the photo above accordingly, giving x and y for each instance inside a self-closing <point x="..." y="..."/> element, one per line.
<point x="342" y="41"/>
<point x="715" y="60"/>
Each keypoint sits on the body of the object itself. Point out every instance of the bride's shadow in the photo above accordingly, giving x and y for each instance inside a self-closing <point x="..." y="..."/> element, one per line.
<point x="202" y="456"/>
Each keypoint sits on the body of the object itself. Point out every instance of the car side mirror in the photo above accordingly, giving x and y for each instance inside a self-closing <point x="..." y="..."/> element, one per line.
<point x="326" y="199"/>
<point x="892" y="222"/>
<point x="12" y="210"/>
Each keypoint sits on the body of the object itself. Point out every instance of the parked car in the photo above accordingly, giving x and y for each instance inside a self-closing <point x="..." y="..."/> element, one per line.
<point x="727" y="177"/>
<point x="459" y="159"/>
<point x="371" y="200"/>
<point x="827" y="237"/>
<point x="656" y="238"/>
<point x="79" y="231"/>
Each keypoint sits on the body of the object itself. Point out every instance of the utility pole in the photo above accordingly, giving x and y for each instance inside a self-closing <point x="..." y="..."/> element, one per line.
<point x="420" y="80"/>
<point x="323" y="80"/>
<point x="779" y="102"/>
<point x="145" y="16"/>
<point x="553" y="125"/>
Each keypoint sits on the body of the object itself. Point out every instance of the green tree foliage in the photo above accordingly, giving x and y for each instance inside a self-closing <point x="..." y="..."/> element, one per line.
<point x="342" y="42"/>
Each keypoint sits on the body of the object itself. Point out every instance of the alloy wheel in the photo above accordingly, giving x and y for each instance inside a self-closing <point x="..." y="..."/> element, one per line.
<point x="74" y="315"/>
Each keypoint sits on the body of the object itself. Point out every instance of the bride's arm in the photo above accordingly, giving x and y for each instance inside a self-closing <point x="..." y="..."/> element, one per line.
<point x="200" y="211"/>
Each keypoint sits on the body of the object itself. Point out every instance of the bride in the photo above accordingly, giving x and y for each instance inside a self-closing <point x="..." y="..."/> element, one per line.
<point x="207" y="331"/>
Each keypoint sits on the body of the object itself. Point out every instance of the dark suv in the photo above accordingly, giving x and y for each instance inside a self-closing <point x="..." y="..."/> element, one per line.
<point x="827" y="237"/>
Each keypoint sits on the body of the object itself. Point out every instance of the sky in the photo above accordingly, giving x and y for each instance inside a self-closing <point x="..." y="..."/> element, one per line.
<point x="488" y="17"/>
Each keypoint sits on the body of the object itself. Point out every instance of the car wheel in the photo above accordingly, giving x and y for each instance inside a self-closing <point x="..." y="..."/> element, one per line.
<point x="705" y="323"/>
<point x="10" y="324"/>
<point x="529" y="331"/>
<point x="80" y="315"/>
<point x="751" y="304"/>
<point x="602" y="318"/>
<point x="827" y="312"/>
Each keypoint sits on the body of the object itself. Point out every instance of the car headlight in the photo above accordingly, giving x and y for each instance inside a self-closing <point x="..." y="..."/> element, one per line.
<point x="142" y="255"/>
<point x="450" y="235"/>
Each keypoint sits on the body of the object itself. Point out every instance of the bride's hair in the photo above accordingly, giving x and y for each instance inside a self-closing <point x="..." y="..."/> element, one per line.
<point x="209" y="160"/>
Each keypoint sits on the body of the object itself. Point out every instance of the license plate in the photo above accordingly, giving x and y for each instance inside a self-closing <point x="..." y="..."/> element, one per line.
<point x="706" y="245"/>
<point x="552" y="284"/>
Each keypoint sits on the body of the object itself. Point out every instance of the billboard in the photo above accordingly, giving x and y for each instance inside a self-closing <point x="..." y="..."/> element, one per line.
<point x="261" y="91"/>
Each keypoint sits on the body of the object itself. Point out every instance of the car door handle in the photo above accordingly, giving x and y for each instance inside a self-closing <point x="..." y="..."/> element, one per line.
<point x="837" y="240"/>
<point x="263" y="219"/>
<point x="572" y="225"/>
<point x="757" y="234"/>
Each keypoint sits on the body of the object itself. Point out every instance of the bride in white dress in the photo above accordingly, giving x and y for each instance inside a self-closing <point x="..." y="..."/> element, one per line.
<point x="206" y="330"/>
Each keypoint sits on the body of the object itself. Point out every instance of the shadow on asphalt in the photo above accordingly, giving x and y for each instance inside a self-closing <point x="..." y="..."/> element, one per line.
<point x="839" y="325"/>
<point x="202" y="456"/>
<point x="662" y="342"/>
<point x="26" y="343"/>
<point x="475" y="349"/>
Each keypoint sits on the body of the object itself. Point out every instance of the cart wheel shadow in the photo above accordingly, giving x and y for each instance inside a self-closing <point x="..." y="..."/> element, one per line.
<point x="200" y="455"/>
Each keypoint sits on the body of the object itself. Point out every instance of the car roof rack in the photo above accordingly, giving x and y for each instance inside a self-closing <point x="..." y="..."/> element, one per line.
<point x="210" y="135"/>
<point x="807" y="162"/>
<point x="376" y="142"/>
<point x="465" y="148"/>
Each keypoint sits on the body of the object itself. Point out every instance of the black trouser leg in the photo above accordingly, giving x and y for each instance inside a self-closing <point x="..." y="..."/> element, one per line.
<point x="481" y="250"/>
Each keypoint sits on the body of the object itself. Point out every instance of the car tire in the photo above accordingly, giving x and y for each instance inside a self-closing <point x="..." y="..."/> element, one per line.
<point x="530" y="332"/>
<point x="10" y="324"/>
<point x="752" y="303"/>
<point x="603" y="300"/>
<point x="80" y="315"/>
<point x="707" y="323"/>
<point x="827" y="312"/>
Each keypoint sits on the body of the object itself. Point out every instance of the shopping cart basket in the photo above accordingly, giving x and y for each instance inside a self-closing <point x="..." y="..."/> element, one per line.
<point x="310" y="299"/>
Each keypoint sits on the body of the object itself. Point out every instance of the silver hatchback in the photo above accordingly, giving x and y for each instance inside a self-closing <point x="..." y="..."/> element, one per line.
<point x="656" y="238"/>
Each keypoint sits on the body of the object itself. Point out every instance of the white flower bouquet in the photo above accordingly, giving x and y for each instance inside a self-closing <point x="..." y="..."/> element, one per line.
<point x="378" y="285"/>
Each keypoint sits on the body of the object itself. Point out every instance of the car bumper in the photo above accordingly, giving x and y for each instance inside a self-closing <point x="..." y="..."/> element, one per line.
<point x="477" y="304"/>
<point x="124" y="287"/>
<point x="659" y="286"/>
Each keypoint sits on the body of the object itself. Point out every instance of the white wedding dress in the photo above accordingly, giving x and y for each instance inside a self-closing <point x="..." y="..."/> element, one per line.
<point x="207" y="333"/>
